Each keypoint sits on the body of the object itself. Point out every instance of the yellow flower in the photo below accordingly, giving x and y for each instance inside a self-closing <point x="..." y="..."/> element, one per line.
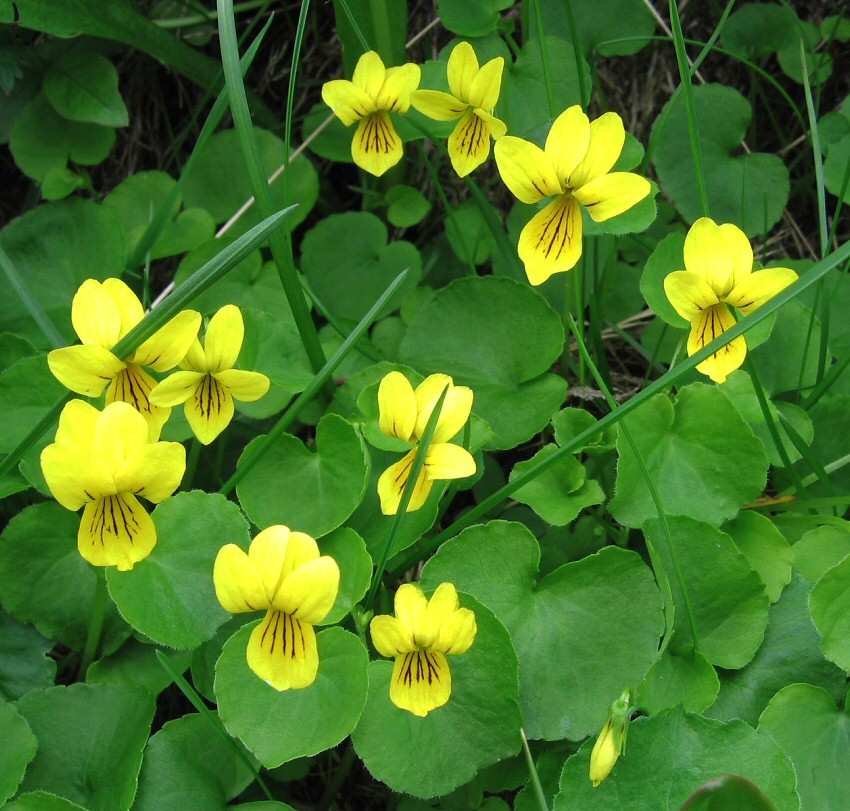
<point x="103" y="460"/>
<point x="403" y="415"/>
<point x="473" y="96"/>
<point x="419" y="636"/>
<point x="611" y="742"/>
<point x="719" y="272"/>
<point x="211" y="383"/>
<point x="373" y="92"/>
<point x="102" y="314"/>
<point x="284" y="574"/>
<point x="574" y="168"/>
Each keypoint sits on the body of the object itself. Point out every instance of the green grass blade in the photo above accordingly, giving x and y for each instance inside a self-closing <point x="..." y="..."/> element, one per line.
<point x="544" y="57"/>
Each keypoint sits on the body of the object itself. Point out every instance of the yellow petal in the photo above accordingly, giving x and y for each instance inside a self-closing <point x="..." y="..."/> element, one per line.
<point x="133" y="385"/>
<point x="397" y="407"/>
<point x="369" y="74"/>
<point x="411" y="610"/>
<point x="169" y="345"/>
<point x="438" y="105"/>
<point x="399" y="83"/>
<point x="389" y="636"/>
<point x="447" y="461"/>
<point x="195" y="360"/>
<point x="688" y="293"/>
<point x="223" y="340"/>
<point x="486" y="85"/>
<point x="609" y="195"/>
<point x="376" y="146"/>
<point x="349" y="102"/>
<point x="120" y="436"/>
<point x="209" y="410"/>
<point x="421" y="682"/>
<point x="176" y="388"/>
<point x="244" y="386"/>
<point x="457" y="632"/>
<point x="496" y="126"/>
<point x="759" y="287"/>
<point x="721" y="254"/>
<point x="268" y="553"/>
<point x="392" y="482"/>
<point x="604" y="755"/>
<point x="526" y="169"/>
<point x="77" y="424"/>
<point x="427" y="393"/>
<point x="567" y="142"/>
<point x="72" y="483"/>
<point x="238" y="585"/>
<point x="85" y="369"/>
<point x="127" y="302"/>
<point x="469" y="143"/>
<point x="156" y="473"/>
<point x="443" y="603"/>
<point x="309" y="592"/>
<point x="116" y="531"/>
<point x="551" y="241"/>
<point x="95" y="316"/>
<point x="708" y="325"/>
<point x="607" y="136"/>
<point x="461" y="70"/>
<point x="282" y="652"/>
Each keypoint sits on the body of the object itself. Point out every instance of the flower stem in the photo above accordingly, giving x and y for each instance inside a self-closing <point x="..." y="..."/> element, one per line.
<point x="98" y="613"/>
<point x="532" y="772"/>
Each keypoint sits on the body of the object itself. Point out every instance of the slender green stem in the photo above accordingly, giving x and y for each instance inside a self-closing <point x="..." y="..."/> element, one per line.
<point x="280" y="247"/>
<point x="212" y="719"/>
<point x="816" y="155"/>
<point x="31" y="303"/>
<point x="544" y="57"/>
<point x="687" y="90"/>
<point x="381" y="29"/>
<point x="583" y="91"/>
<point x="340" y="774"/>
<point x="288" y="417"/>
<point x="98" y="614"/>
<point x="534" y="778"/>
<point x="191" y="463"/>
<point x="653" y="492"/>
<point x="834" y="374"/>
<point x="407" y="493"/>
<point x="290" y="102"/>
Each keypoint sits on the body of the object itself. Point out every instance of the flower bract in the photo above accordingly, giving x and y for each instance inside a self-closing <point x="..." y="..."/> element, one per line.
<point x="419" y="637"/>
<point x="284" y="574"/>
<point x="103" y="461"/>
<point x="209" y="383"/>
<point x="718" y="273"/>
<point x="404" y="414"/>
<point x="474" y="93"/>
<point x="102" y="314"/>
<point x="574" y="168"/>
<point x="373" y="92"/>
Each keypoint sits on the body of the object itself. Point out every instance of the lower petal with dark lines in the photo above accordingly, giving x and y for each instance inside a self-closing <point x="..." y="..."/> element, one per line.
<point x="133" y="385"/>
<point x="210" y="409"/>
<point x="282" y="651"/>
<point x="421" y="681"/>
<point x="469" y="143"/>
<point x="116" y="531"/>
<point x="376" y="146"/>
<point x="551" y="241"/>
<point x="709" y="324"/>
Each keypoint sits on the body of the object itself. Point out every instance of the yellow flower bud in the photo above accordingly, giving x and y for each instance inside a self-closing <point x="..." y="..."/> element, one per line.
<point x="606" y="752"/>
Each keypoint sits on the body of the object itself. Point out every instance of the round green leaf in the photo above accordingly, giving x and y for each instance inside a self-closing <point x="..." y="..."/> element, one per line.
<point x="406" y="206"/>
<point x="309" y="490"/>
<point x="508" y="371"/>
<point x="83" y="86"/>
<point x="24" y="663"/>
<point x="805" y="722"/>
<point x="348" y="549"/>
<point x="790" y="653"/>
<point x="349" y="264"/>
<point x="560" y="493"/>
<point x="758" y="29"/>
<point x="471" y="18"/>
<point x="750" y="190"/>
<point x="829" y="604"/>
<point x="728" y="791"/>
<point x="41" y="801"/>
<point x="136" y="663"/>
<point x="188" y="766"/>
<point x="219" y="182"/>
<point x="679" y="676"/>
<point x="819" y="61"/>
<point x="41" y="140"/>
<point x="820" y="549"/>
<point x="478" y="726"/>
<point x="669" y="756"/>
<point x="835" y="168"/>
<point x="727" y="597"/>
<point x="169" y="596"/>
<point x="19" y="746"/>
<point x="334" y="139"/>
<point x="90" y="741"/>
<point x="54" y="589"/>
<point x="667" y="257"/>
<point x="28" y="391"/>
<point x="702" y="458"/>
<point x="468" y="234"/>
<point x="765" y="547"/>
<point x="593" y="624"/>
<point x="56" y="248"/>
<point x="281" y="726"/>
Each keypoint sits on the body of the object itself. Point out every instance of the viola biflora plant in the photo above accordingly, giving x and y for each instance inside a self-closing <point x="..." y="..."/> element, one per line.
<point x="511" y="343"/>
